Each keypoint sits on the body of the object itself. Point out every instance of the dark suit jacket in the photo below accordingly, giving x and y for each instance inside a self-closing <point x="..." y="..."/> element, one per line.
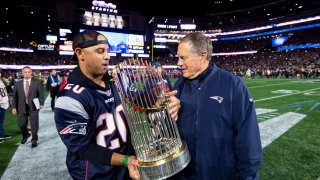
<point x="19" y="99"/>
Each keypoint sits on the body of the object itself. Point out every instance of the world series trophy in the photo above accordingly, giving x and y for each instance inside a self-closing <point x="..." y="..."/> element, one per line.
<point x="155" y="136"/>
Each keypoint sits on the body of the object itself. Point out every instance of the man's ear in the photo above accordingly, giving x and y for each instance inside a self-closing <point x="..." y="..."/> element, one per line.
<point x="204" y="55"/>
<point x="79" y="53"/>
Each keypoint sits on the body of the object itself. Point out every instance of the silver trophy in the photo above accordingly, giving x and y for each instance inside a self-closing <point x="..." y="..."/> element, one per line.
<point x="154" y="134"/>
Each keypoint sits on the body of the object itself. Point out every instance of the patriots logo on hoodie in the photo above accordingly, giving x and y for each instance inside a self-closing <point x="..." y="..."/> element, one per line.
<point x="76" y="128"/>
<point x="217" y="98"/>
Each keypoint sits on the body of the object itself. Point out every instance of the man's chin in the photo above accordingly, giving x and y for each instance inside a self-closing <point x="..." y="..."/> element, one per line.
<point x="101" y="73"/>
<point x="185" y="76"/>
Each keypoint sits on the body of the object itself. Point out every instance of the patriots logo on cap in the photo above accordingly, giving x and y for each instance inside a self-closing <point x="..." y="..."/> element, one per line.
<point x="217" y="98"/>
<point x="76" y="128"/>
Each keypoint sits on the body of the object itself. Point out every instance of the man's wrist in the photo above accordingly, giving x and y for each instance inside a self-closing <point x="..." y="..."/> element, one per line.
<point x="125" y="160"/>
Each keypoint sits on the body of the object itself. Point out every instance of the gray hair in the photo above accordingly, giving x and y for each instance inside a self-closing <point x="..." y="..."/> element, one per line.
<point x="199" y="43"/>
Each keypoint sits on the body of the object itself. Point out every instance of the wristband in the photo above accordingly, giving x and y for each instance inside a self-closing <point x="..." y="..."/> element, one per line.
<point x="125" y="160"/>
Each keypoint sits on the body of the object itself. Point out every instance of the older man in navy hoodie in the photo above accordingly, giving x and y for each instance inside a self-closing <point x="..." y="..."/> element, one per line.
<point x="217" y="118"/>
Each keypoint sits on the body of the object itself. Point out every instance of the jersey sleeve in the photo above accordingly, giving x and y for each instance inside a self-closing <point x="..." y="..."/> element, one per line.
<point x="75" y="130"/>
<point x="72" y="123"/>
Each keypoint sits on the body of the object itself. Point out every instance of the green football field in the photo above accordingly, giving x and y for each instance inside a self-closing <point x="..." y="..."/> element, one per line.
<point x="289" y="119"/>
<point x="296" y="153"/>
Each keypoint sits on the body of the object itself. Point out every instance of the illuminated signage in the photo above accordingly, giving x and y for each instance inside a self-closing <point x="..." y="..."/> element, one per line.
<point x="66" y="47"/>
<point x="66" y="52"/>
<point x="119" y="22"/>
<point x="45" y="47"/>
<point x="172" y="40"/>
<point x="96" y="19"/>
<point x="135" y="40"/>
<point x="103" y="6"/>
<point x="144" y="55"/>
<point x="67" y="42"/>
<point x="160" y="40"/>
<point x="103" y="20"/>
<point x="51" y="38"/>
<point x="136" y="49"/>
<point x="159" y="46"/>
<point x="112" y="21"/>
<point x="188" y="26"/>
<point x="126" y="55"/>
<point x="167" y="26"/>
<point x="64" y="32"/>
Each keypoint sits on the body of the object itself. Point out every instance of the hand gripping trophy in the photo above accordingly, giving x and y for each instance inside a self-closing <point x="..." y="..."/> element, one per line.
<point x="154" y="134"/>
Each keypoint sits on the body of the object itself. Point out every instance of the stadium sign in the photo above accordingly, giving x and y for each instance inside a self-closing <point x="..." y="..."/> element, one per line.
<point x="103" y="6"/>
<point x="167" y="26"/>
<point x="160" y="40"/>
<point x="188" y="26"/>
<point x="45" y="47"/>
<point x="103" y="20"/>
<point x="66" y="47"/>
<point x="136" y="49"/>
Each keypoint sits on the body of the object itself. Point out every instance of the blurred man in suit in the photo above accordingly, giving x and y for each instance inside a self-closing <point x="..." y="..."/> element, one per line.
<point x="27" y="93"/>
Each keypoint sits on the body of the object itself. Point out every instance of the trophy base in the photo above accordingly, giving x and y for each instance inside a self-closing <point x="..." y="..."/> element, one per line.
<point x="166" y="167"/>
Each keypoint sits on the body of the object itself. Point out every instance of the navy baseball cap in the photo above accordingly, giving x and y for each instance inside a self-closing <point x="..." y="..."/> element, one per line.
<point x="86" y="39"/>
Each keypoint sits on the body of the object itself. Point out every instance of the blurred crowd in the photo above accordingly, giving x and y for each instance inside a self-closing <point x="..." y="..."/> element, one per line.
<point x="266" y="62"/>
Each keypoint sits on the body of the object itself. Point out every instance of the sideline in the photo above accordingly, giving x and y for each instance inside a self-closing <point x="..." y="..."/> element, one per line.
<point x="47" y="161"/>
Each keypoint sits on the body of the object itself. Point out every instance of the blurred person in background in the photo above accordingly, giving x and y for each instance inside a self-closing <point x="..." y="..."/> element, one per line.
<point x="4" y="104"/>
<point x="53" y="84"/>
<point x="27" y="100"/>
<point x="163" y="73"/>
<point x="64" y="80"/>
<point x="217" y="118"/>
<point x="10" y="85"/>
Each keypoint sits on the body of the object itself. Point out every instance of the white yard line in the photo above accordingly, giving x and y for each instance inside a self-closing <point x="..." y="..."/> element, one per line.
<point x="269" y="85"/>
<point x="47" y="161"/>
<point x="275" y="127"/>
<point x="264" y="111"/>
<point x="274" y="97"/>
<point x="266" y="116"/>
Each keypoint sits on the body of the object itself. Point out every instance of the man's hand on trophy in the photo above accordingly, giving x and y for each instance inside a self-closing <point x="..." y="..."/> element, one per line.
<point x="174" y="105"/>
<point x="132" y="167"/>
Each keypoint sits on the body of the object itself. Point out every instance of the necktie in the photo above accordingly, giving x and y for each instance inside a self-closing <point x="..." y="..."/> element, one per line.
<point x="27" y="91"/>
